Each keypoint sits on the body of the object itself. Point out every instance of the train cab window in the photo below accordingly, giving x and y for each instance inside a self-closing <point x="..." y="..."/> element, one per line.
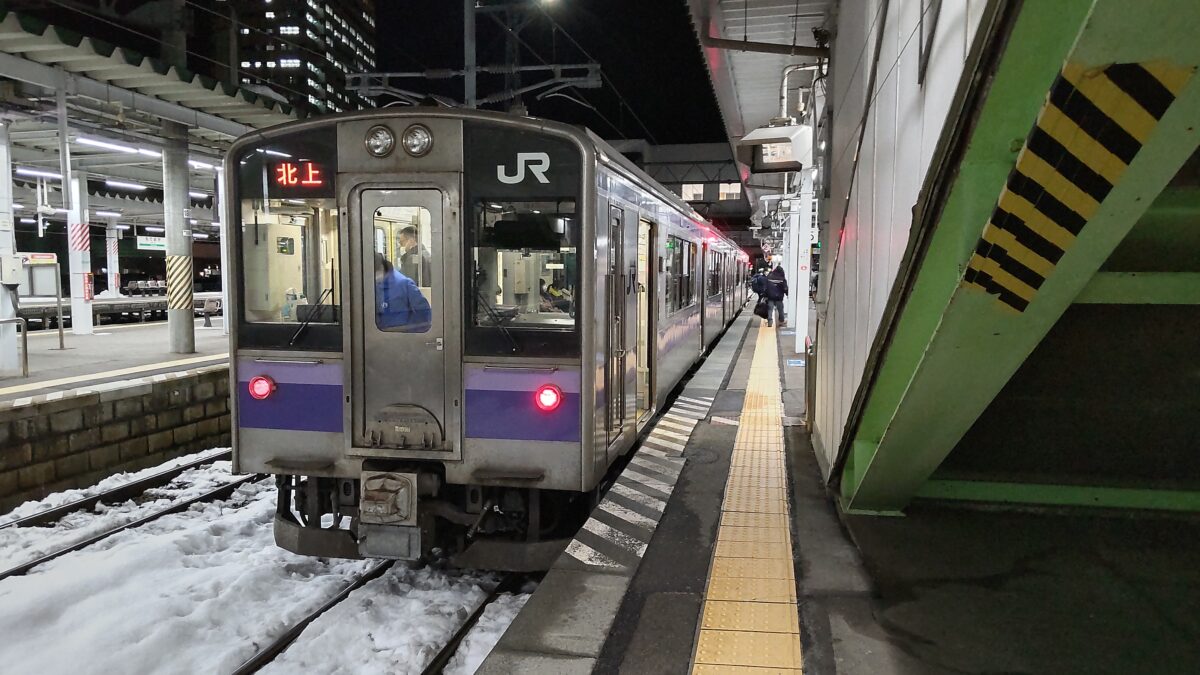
<point x="288" y="257"/>
<point x="403" y="269"/>
<point x="524" y="267"/>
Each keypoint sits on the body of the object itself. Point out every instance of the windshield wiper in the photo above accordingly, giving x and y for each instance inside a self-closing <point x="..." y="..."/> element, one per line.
<point x="496" y="319"/>
<point x="310" y="317"/>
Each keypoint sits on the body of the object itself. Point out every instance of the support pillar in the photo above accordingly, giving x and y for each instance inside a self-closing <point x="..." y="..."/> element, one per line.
<point x="79" y="246"/>
<point x="222" y="213"/>
<point x="181" y="322"/>
<point x="10" y="362"/>
<point x="803" y="241"/>
<point x="112" y="237"/>
<point x="469" y="53"/>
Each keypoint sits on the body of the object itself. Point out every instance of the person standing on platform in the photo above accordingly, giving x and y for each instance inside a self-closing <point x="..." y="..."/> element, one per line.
<point x="777" y="290"/>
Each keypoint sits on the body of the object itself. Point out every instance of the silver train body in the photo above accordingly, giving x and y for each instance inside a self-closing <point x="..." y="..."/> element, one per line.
<point x="449" y="325"/>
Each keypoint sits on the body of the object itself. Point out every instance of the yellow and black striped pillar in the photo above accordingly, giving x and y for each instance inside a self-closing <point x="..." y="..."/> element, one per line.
<point x="181" y="320"/>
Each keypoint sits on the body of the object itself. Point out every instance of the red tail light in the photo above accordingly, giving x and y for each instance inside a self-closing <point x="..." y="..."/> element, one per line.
<point x="547" y="397"/>
<point x="260" y="387"/>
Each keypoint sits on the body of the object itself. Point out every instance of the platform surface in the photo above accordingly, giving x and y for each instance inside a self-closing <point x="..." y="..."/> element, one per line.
<point x="111" y="354"/>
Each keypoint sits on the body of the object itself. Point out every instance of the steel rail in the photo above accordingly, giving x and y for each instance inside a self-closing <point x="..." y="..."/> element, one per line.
<point x="212" y="495"/>
<point x="509" y="584"/>
<point x="268" y="653"/>
<point x="114" y="495"/>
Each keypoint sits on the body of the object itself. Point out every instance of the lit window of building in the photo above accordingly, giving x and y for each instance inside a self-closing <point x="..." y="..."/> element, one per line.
<point x="730" y="191"/>
<point x="692" y="192"/>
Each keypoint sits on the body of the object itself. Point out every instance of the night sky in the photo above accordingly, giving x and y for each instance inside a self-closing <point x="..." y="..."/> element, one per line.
<point x="647" y="48"/>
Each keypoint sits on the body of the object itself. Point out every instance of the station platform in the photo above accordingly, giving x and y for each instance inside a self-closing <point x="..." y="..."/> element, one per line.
<point x="113" y="354"/>
<point x="42" y="311"/>
<point x="720" y="550"/>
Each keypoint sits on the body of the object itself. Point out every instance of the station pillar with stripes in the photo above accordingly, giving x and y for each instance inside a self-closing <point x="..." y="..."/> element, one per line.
<point x="79" y="244"/>
<point x="180" y="312"/>
<point x="9" y="363"/>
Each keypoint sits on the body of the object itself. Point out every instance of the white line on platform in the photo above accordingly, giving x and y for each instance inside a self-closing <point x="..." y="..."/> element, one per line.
<point x="47" y="384"/>
<point x="724" y="420"/>
<point x="590" y="556"/>
<point x="648" y="501"/>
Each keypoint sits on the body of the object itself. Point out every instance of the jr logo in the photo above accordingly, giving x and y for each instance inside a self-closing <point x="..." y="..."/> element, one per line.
<point x="538" y="163"/>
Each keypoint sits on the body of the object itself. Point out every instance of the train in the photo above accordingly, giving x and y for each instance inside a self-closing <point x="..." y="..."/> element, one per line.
<point x="448" y="325"/>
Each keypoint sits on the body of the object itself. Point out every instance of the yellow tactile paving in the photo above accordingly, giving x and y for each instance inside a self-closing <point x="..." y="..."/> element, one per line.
<point x="748" y="648"/>
<point x="762" y="617"/>
<point x="702" y="669"/>
<point x="750" y="622"/>
<point x="753" y="590"/>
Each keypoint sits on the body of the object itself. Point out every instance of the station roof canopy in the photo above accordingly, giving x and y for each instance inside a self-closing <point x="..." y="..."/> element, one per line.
<point x="48" y="56"/>
<point x="747" y="44"/>
<point x="117" y="100"/>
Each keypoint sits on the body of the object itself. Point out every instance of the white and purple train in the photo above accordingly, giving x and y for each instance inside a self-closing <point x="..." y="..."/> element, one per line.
<point x="448" y="325"/>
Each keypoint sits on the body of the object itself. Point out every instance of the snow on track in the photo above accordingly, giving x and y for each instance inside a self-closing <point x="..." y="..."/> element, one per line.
<point x="483" y="637"/>
<point x="194" y="592"/>
<point x="393" y="625"/>
<point x="22" y="544"/>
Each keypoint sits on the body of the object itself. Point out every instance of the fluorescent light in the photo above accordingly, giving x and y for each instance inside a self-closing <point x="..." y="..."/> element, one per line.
<point x="149" y="153"/>
<point x="28" y="220"/>
<point x="122" y="227"/>
<point x="18" y="207"/>
<point x="191" y="221"/>
<point x="39" y="173"/>
<point x="120" y="184"/>
<point x="96" y="143"/>
<point x="151" y="228"/>
<point x="201" y="165"/>
<point x="108" y="214"/>
<point x="274" y="152"/>
<point x="62" y="210"/>
<point x="197" y="195"/>
<point x="199" y="235"/>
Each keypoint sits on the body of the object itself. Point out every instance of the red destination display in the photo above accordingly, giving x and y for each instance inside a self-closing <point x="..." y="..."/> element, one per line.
<point x="299" y="175"/>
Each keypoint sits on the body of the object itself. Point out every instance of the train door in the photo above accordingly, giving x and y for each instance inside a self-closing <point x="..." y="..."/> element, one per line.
<point x="400" y="366"/>
<point x="646" y="343"/>
<point x="615" y="283"/>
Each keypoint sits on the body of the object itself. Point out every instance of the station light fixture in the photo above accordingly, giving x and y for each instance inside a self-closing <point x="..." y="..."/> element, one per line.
<point x="38" y="173"/>
<point x="199" y="235"/>
<point x="380" y="141"/>
<point x="123" y="185"/>
<point x="18" y="207"/>
<point x="153" y="228"/>
<point x="197" y="164"/>
<point x="107" y="145"/>
<point x="108" y="214"/>
<point x="123" y="227"/>
<point x="29" y="221"/>
<point x="260" y="387"/>
<point x="199" y="195"/>
<point x="417" y="140"/>
<point x="548" y="397"/>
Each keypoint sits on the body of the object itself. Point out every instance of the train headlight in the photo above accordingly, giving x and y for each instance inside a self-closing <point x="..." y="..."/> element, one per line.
<point x="380" y="141"/>
<point x="547" y="397"/>
<point x="260" y="387"/>
<point x="417" y="140"/>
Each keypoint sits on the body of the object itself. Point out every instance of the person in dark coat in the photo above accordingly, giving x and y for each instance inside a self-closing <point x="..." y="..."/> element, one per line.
<point x="777" y="290"/>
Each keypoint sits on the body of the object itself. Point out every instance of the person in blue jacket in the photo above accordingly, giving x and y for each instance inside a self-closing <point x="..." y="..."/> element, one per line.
<point x="398" y="301"/>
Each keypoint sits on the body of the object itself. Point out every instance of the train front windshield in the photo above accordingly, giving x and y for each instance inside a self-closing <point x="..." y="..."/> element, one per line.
<point x="288" y="244"/>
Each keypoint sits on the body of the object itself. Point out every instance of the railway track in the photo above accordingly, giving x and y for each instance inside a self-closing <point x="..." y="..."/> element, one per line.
<point x="222" y="492"/>
<point x="114" y="495"/>
<point x="510" y="583"/>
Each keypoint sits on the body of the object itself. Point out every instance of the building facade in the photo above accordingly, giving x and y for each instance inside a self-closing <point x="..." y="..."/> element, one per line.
<point x="302" y="50"/>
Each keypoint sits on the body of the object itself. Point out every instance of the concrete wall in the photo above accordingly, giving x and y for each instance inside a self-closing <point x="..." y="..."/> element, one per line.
<point x="78" y="439"/>
<point x="866" y="234"/>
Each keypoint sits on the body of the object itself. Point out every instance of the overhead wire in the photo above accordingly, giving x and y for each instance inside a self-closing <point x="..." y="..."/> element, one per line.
<point x="604" y="77"/>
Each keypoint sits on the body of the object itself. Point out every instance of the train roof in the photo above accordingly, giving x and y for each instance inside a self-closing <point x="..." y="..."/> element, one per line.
<point x="587" y="140"/>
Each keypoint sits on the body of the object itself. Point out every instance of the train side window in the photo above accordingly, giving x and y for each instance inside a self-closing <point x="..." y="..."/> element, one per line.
<point x="403" y="269"/>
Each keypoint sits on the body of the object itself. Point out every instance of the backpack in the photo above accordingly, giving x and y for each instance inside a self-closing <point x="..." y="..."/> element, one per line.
<point x="758" y="284"/>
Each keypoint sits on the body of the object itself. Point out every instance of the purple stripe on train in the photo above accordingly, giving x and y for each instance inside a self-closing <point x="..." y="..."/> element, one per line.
<point x="292" y="373"/>
<point x="512" y="415"/>
<point x="294" y="407"/>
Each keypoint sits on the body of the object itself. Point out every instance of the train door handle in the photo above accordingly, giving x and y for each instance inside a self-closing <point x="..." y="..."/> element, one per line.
<point x="619" y="353"/>
<point x="439" y="343"/>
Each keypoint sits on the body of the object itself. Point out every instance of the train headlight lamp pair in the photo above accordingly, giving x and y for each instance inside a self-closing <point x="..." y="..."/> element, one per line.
<point x="417" y="140"/>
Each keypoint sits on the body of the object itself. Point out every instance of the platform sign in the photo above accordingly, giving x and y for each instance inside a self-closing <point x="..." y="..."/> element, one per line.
<point x="147" y="243"/>
<point x="795" y="363"/>
<point x="39" y="258"/>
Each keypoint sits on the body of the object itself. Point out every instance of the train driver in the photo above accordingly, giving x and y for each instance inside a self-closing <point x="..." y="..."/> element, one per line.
<point x="398" y="301"/>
